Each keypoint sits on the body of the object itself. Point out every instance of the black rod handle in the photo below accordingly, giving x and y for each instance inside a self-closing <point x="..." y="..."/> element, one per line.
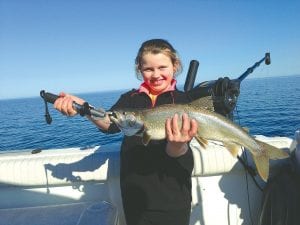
<point x="48" y="97"/>
<point x="191" y="75"/>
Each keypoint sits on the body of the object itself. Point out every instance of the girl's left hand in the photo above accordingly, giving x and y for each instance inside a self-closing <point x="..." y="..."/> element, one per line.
<point x="178" y="137"/>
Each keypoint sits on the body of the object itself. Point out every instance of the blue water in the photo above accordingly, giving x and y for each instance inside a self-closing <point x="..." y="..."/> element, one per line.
<point x="267" y="106"/>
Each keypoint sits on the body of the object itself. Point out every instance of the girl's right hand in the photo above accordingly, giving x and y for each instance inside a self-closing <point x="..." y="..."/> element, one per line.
<point x="64" y="104"/>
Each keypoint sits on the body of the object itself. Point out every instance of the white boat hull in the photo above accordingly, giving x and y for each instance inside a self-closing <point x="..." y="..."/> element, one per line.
<point x="56" y="186"/>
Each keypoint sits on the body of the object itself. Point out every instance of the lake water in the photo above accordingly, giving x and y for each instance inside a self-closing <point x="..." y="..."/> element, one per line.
<point x="266" y="106"/>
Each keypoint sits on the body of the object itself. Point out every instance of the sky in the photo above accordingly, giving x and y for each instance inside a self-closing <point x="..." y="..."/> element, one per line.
<point x="80" y="46"/>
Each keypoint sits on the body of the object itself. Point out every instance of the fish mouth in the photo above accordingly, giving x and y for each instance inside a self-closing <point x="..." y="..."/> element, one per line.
<point x="126" y="123"/>
<point x="119" y="118"/>
<point x="116" y="118"/>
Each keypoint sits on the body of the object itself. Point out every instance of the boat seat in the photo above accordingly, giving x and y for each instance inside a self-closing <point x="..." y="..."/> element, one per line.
<point x="66" y="214"/>
<point x="215" y="159"/>
<point x="57" y="167"/>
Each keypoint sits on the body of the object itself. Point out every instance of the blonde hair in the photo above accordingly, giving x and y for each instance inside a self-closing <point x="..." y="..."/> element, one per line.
<point x="155" y="46"/>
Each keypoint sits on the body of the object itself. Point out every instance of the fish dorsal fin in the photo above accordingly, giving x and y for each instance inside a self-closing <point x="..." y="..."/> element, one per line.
<point x="204" y="102"/>
<point x="232" y="148"/>
<point x="202" y="141"/>
<point x="146" y="138"/>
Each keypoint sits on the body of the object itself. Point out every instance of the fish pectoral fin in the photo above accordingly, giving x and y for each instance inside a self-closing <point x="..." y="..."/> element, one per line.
<point x="272" y="151"/>
<point x="262" y="166"/>
<point x="202" y="141"/>
<point x="146" y="138"/>
<point x="232" y="148"/>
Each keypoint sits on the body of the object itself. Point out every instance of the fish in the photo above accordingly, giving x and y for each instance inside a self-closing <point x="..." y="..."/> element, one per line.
<point x="150" y="125"/>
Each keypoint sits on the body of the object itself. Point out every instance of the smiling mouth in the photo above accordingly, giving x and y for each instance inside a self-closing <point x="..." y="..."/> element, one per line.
<point x="157" y="82"/>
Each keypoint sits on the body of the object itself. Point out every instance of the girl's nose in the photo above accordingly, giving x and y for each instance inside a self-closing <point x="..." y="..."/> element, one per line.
<point x="156" y="73"/>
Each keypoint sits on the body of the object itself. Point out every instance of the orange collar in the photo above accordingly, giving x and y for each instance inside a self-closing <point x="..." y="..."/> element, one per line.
<point x="145" y="88"/>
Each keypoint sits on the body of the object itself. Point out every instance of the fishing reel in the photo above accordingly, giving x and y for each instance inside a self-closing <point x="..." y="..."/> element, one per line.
<point x="224" y="92"/>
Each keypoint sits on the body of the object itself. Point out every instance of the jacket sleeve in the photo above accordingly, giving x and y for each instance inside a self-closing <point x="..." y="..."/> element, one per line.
<point x="187" y="161"/>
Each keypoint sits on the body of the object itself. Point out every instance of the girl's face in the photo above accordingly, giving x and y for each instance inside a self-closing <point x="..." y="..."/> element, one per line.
<point x="158" y="72"/>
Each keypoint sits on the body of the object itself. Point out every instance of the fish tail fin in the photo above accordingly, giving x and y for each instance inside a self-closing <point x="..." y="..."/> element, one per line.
<point x="262" y="160"/>
<point x="262" y="166"/>
<point x="272" y="151"/>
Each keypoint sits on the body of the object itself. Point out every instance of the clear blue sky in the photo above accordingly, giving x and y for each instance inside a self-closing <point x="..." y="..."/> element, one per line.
<point x="85" y="46"/>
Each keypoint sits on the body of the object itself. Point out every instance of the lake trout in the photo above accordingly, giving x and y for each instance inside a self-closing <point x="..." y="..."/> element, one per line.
<point x="150" y="125"/>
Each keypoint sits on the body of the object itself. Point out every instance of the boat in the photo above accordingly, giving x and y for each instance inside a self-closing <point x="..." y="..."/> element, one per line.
<point x="63" y="186"/>
<point x="80" y="186"/>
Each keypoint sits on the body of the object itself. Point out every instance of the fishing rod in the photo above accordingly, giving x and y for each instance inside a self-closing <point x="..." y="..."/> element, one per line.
<point x="266" y="59"/>
<point x="84" y="110"/>
<point x="224" y="91"/>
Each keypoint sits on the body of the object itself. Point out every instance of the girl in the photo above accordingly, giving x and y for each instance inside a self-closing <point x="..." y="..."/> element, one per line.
<point x="155" y="179"/>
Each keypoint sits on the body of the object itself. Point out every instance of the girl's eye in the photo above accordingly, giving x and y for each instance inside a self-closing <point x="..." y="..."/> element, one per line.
<point x="163" y="68"/>
<point x="147" y="70"/>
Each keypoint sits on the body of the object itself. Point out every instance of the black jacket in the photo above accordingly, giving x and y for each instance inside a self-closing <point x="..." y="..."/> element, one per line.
<point x="150" y="179"/>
